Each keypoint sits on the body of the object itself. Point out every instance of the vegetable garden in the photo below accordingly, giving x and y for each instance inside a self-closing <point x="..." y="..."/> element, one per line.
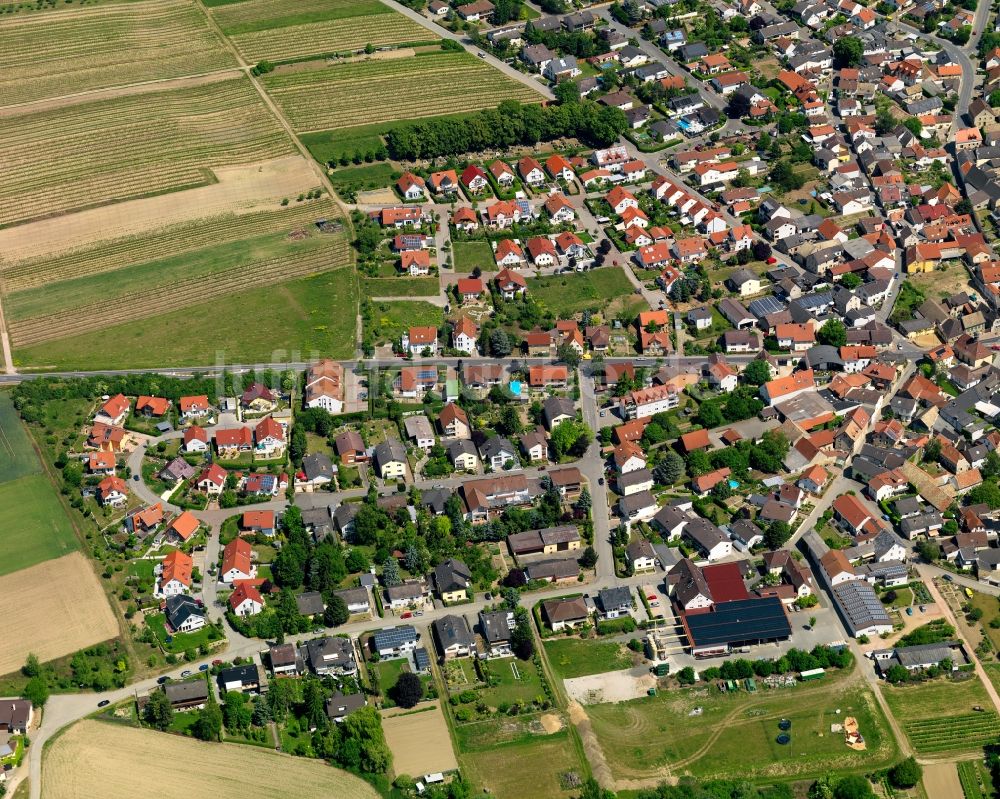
<point x="366" y="92"/>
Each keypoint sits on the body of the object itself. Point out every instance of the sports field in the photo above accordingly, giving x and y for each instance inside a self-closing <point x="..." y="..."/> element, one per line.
<point x="734" y="735"/>
<point x="76" y="48"/>
<point x="298" y="320"/>
<point x="96" y="152"/>
<point x="275" y="31"/>
<point x="61" y="607"/>
<point x="377" y="91"/>
<point x="113" y="761"/>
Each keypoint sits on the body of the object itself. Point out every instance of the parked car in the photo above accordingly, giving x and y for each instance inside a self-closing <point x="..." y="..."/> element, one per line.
<point x="186" y="673"/>
<point x="203" y="667"/>
<point x="104" y="703"/>
<point x="162" y="680"/>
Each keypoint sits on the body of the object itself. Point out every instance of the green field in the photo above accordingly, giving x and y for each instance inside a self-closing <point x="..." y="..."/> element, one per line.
<point x="311" y="317"/>
<point x="527" y="768"/>
<point x="938" y="716"/>
<point x="33" y="525"/>
<point x="565" y="295"/>
<point x="17" y="456"/>
<point x="379" y="91"/>
<point x="390" y="319"/>
<point x="975" y="778"/>
<point x="274" y="30"/>
<point x="573" y="657"/>
<point x="734" y="735"/>
<point x="362" y="178"/>
<point x="517" y="681"/>
<point x="467" y="255"/>
<point x="400" y="286"/>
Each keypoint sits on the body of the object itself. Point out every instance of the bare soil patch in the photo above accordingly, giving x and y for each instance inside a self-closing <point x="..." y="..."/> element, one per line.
<point x="419" y="741"/>
<point x="611" y="686"/>
<point x="240" y="190"/>
<point x="114" y="761"/>
<point x="941" y="779"/>
<point x="61" y="608"/>
<point x="551" y="723"/>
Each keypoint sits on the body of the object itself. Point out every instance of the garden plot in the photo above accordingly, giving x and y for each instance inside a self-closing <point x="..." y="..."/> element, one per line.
<point x="419" y="740"/>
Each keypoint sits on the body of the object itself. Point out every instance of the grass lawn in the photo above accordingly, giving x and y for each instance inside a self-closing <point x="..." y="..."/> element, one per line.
<point x="574" y="657"/>
<point x="389" y="319"/>
<point x="17" y="455"/>
<point x="569" y="294"/>
<point x="181" y="722"/>
<point x="467" y="255"/>
<point x="938" y="716"/>
<point x="180" y="642"/>
<point x="949" y="278"/>
<point x="529" y="768"/>
<point x="362" y="178"/>
<point x="734" y="735"/>
<point x="991" y="610"/>
<point x="33" y="525"/>
<point x="904" y="597"/>
<point x="400" y="286"/>
<point x="310" y="316"/>
<point x="518" y="682"/>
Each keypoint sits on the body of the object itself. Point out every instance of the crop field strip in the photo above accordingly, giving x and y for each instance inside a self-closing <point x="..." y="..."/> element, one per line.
<point x="381" y="91"/>
<point x="247" y="16"/>
<point x="54" y="53"/>
<point x="946" y="733"/>
<point x="161" y="299"/>
<point x="112" y="150"/>
<point x="118" y="254"/>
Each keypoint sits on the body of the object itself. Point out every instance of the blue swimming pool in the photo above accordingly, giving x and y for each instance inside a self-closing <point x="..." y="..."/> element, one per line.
<point x="515" y="387"/>
<point x="683" y="124"/>
<point x="734" y="484"/>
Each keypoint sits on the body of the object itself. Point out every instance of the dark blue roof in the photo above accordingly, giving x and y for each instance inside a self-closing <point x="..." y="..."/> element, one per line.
<point x="742" y="621"/>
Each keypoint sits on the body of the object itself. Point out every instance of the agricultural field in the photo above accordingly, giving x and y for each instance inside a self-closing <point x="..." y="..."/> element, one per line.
<point x="573" y="657"/>
<point x="61" y="608"/>
<point x="33" y="525"/>
<point x="569" y="294"/>
<point x="272" y="30"/>
<point x="974" y="778"/>
<point x="119" y="762"/>
<point x="103" y="151"/>
<point x="419" y="740"/>
<point x="378" y="91"/>
<point x="734" y="735"/>
<point x="297" y="320"/>
<point x="530" y="767"/>
<point x="71" y="49"/>
<point x="84" y="291"/>
<point x="938" y="716"/>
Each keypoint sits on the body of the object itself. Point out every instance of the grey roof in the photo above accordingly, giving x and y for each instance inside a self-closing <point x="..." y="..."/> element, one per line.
<point x="452" y="575"/>
<point x="246" y="675"/>
<point x="309" y="603"/>
<point x="495" y="446"/>
<point x="614" y="598"/>
<point x="390" y="450"/>
<point x="453" y="630"/>
<point x="180" y="608"/>
<point x="461" y="446"/>
<point x="317" y="465"/>
<point x="345" y="513"/>
<point x="339" y="705"/>
<point x="322" y="653"/>
<point x="192" y="691"/>
<point x="745" y="530"/>
<point x="421" y="659"/>
<point x="859" y="605"/>
<point x="705" y="534"/>
<point x="354" y="596"/>
<point x="552" y="569"/>
<point x="554" y="407"/>
<point x="763" y="306"/>
<point x="496" y="625"/>
<point x="638" y="477"/>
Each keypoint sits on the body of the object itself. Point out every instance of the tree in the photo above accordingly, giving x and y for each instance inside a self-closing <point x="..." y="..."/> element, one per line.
<point x="914" y="125"/>
<point x="37" y="691"/>
<point x="589" y="558"/>
<point x="884" y="121"/>
<point x="592" y="789"/>
<point x="932" y="451"/>
<point x="757" y="372"/>
<point x="833" y="333"/>
<point x="408" y="690"/>
<point x="850" y="281"/>
<point x="568" y="355"/>
<point x="236" y="713"/>
<point x="522" y="639"/>
<point x="785" y="177"/>
<point x="853" y="787"/>
<point x="761" y="250"/>
<point x="988" y="492"/>
<point x="208" y="727"/>
<point x="847" y="51"/>
<point x="390" y="572"/>
<point x="31" y="667"/>
<point x="158" y="711"/>
<point x="336" y="612"/>
<point x="567" y="92"/>
<point x="499" y="343"/>
<point x="964" y="206"/>
<point x="686" y="676"/>
<point x="739" y="106"/>
<point x="929" y="551"/>
<point x="669" y="470"/>
<point x="906" y="773"/>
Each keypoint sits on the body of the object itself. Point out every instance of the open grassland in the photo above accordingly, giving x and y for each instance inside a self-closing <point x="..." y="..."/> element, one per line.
<point x="94" y="153"/>
<point x="17" y="456"/>
<point x="938" y="716"/>
<point x="61" y="608"/>
<point x="401" y="287"/>
<point x="113" y="761"/>
<point x="378" y="91"/>
<point x="419" y="740"/>
<point x="90" y="303"/>
<point x="390" y="319"/>
<point x="272" y="30"/>
<point x="527" y="768"/>
<point x="298" y="320"/>
<point x="734" y="735"/>
<point x="570" y="294"/>
<point x="75" y="49"/>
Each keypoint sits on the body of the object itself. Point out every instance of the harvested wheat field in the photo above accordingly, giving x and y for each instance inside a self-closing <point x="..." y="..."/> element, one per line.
<point x="113" y="761"/>
<point x="419" y="740"/>
<point x="61" y="608"/>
